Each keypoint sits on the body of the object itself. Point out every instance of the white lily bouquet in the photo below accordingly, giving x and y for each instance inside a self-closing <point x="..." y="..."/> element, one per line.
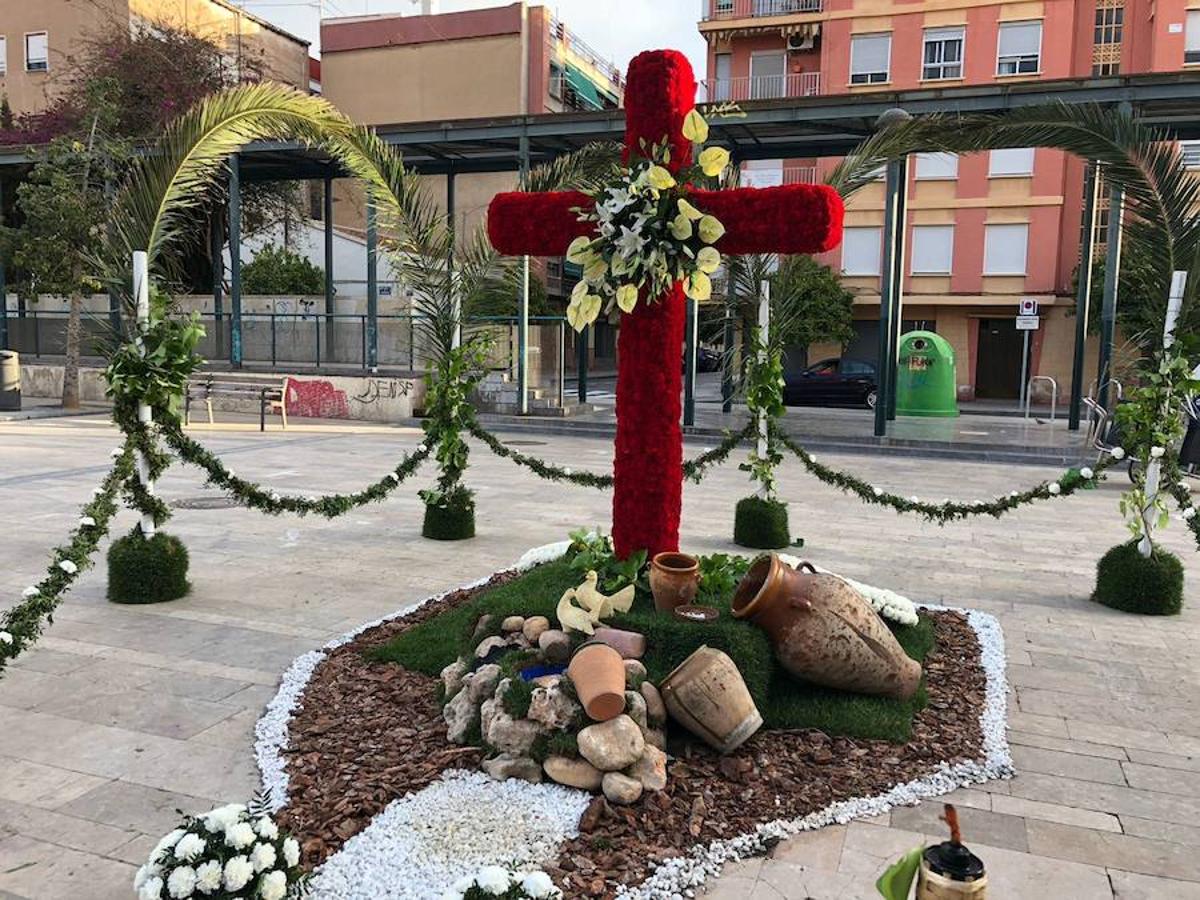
<point x="649" y="234"/>
<point x="233" y="852"/>
<point x="498" y="883"/>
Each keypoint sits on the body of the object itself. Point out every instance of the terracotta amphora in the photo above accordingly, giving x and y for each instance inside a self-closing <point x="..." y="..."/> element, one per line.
<point x="674" y="580"/>
<point x="824" y="631"/>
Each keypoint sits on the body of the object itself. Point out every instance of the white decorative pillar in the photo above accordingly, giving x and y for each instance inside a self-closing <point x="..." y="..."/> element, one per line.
<point x="764" y="328"/>
<point x="1154" y="466"/>
<point x="141" y="293"/>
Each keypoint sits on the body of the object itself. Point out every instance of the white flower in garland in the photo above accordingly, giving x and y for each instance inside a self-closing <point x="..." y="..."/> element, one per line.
<point x="5" y="637"/>
<point x="151" y="889"/>
<point x="1158" y="452"/>
<point x="116" y="452"/>
<point x="1188" y="515"/>
<point x="87" y="522"/>
<point x="182" y="882"/>
<point x="208" y="877"/>
<point x="539" y="885"/>
<point x="1087" y="473"/>
<point x="239" y="835"/>
<point x="494" y="879"/>
<point x="878" y="492"/>
<point x="67" y="566"/>
<point x="1054" y="488"/>
<point x="1118" y="453"/>
<point x="291" y="852"/>
<point x="262" y="857"/>
<point x="30" y="592"/>
<point x="393" y="477"/>
<point x="267" y="829"/>
<point x="222" y="817"/>
<point x="238" y="873"/>
<point x="273" y="886"/>
<point x="190" y="847"/>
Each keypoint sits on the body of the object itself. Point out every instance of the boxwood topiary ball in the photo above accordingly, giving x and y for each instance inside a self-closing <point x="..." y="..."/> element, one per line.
<point x="449" y="523"/>
<point x="147" y="571"/>
<point x="761" y="524"/>
<point x="1128" y="581"/>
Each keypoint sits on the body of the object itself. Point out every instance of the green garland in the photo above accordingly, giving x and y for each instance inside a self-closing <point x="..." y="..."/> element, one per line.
<point x="21" y="625"/>
<point x="693" y="469"/>
<point x="1071" y="481"/>
<point x="1183" y="497"/>
<point x="255" y="496"/>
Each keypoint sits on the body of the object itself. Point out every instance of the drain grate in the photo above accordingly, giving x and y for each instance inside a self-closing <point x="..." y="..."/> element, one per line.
<point x="204" y="503"/>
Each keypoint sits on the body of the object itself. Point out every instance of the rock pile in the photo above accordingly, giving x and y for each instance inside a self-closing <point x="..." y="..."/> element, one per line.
<point x="538" y="729"/>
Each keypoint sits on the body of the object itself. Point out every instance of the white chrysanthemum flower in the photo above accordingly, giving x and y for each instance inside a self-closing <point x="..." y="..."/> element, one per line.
<point x="238" y="873"/>
<point x="1087" y="472"/>
<point x="878" y="492"/>
<point x="189" y="847"/>
<point x="151" y="889"/>
<point x="1189" y="514"/>
<point x="494" y="879"/>
<point x="914" y="499"/>
<point x="29" y="593"/>
<point x="168" y="841"/>
<point x="208" y="877"/>
<point x="182" y="882"/>
<point x="1118" y="453"/>
<point x="1054" y="488"/>
<point x="5" y="637"/>
<point x="144" y="874"/>
<point x="567" y="472"/>
<point x="67" y="566"/>
<point x="273" y="886"/>
<point x="266" y="828"/>
<point x="463" y="884"/>
<point x="116" y="451"/>
<point x="96" y="492"/>
<point x="394" y="477"/>
<point x="538" y="885"/>
<point x="86" y="522"/>
<point x="222" y="817"/>
<point x="421" y="448"/>
<point x="291" y="852"/>
<point x="262" y="857"/>
<point x="1158" y="452"/>
<point x="239" y="835"/>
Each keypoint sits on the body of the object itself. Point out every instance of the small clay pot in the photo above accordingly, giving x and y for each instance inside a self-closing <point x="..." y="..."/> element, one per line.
<point x="598" y="673"/>
<point x="674" y="580"/>
<point x="698" y="615"/>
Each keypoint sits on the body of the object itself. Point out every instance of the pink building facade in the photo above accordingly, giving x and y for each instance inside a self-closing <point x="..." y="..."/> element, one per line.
<point x="983" y="231"/>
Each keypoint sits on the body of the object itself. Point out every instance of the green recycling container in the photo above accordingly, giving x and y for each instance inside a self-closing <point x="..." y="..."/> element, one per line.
<point x="926" y="384"/>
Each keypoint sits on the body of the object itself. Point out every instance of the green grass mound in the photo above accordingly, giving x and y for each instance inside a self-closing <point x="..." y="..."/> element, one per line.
<point x="1128" y="581"/>
<point x="761" y="524"/>
<point x="147" y="571"/>
<point x="455" y="522"/>
<point x="784" y="701"/>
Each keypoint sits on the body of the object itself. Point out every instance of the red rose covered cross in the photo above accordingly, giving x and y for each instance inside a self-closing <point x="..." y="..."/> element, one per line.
<point x="802" y="218"/>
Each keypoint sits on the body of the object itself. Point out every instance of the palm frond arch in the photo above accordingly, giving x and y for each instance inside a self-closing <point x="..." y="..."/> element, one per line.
<point x="1161" y="196"/>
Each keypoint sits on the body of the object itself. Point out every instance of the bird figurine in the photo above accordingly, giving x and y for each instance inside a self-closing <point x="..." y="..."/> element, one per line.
<point x="590" y="605"/>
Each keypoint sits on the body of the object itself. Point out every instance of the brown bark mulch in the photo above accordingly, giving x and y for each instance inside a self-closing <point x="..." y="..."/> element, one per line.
<point x="369" y="733"/>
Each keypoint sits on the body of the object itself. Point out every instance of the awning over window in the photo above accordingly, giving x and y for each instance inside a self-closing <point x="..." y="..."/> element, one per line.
<point x="587" y="90"/>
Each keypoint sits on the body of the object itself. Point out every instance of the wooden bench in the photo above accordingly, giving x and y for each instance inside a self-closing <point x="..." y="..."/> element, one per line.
<point x="271" y="395"/>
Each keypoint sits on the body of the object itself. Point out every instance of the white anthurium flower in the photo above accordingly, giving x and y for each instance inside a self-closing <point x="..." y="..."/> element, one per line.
<point x="579" y="250"/>
<point x="695" y="127"/>
<point x="29" y="593"/>
<point x="1054" y="488"/>
<point x="688" y="210"/>
<point x="659" y="178"/>
<point x="714" y="160"/>
<point x="1158" y="452"/>
<point x="708" y="259"/>
<point x="597" y="270"/>
<point x="1086" y="472"/>
<point x="574" y="315"/>
<point x="681" y="227"/>
<point x="627" y="297"/>
<point x="711" y="229"/>
<point x="87" y="522"/>
<point x="579" y="291"/>
<point x="1118" y="453"/>
<point x="699" y="287"/>
<point x="67" y="566"/>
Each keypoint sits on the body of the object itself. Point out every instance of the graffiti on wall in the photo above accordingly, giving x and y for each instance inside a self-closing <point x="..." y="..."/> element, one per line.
<point x="316" y="400"/>
<point x="377" y="389"/>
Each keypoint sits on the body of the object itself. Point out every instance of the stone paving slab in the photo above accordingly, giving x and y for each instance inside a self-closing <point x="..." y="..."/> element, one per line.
<point x="1104" y="729"/>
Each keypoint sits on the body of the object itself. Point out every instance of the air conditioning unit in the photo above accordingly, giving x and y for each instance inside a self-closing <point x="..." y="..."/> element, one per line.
<point x="797" y="42"/>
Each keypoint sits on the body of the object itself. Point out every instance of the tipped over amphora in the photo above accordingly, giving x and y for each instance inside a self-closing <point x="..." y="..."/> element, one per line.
<point x="824" y="631"/>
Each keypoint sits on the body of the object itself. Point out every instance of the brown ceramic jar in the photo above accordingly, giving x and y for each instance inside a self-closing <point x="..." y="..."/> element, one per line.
<point x="674" y="580"/>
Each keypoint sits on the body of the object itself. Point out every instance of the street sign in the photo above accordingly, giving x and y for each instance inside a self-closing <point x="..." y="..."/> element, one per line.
<point x="1028" y="323"/>
<point x="1029" y="307"/>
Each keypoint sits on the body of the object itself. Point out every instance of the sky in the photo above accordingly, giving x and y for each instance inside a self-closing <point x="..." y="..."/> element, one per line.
<point x="617" y="29"/>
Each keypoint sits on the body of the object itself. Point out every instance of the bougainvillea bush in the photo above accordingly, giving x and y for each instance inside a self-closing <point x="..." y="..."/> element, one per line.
<point x="233" y="852"/>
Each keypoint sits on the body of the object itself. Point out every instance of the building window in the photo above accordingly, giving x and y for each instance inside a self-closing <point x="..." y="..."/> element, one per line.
<point x="1019" y="48"/>
<point x="37" y="52"/>
<point x="943" y="53"/>
<point x="1107" y="36"/>
<point x="932" y="249"/>
<point x="1012" y="162"/>
<point x="861" y="250"/>
<point x="935" y="166"/>
<point x="723" y="78"/>
<point x="1005" y="248"/>
<point x="767" y="75"/>
<point x="1190" y="151"/>
<point x="3" y="54"/>
<point x="870" y="58"/>
<point x="1191" y="49"/>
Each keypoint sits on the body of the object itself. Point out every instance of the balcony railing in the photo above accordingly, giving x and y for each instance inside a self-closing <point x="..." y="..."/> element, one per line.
<point x="772" y="177"/>
<point x="761" y="87"/>
<point x="748" y="9"/>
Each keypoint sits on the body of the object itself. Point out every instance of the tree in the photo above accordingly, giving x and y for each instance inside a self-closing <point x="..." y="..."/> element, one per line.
<point x="64" y="206"/>
<point x="278" y="270"/>
<point x="500" y="297"/>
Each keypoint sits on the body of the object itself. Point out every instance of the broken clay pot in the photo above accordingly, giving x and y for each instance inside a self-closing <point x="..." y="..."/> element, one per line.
<point x="598" y="673"/>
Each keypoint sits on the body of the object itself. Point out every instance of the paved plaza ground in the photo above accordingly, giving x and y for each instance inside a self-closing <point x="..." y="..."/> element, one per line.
<point x="122" y="715"/>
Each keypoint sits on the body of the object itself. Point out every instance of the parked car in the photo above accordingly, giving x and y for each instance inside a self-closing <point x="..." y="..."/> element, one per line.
<point x="832" y="382"/>
<point x="707" y="360"/>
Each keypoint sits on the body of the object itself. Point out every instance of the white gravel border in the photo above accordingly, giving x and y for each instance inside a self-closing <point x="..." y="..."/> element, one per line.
<point x="376" y="851"/>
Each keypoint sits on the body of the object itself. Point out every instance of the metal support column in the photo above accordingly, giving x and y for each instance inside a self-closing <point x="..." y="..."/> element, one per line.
<point x="689" y="363"/>
<point x="727" y="360"/>
<point x="581" y="363"/>
<point x="3" y="308"/>
<point x="1083" y="291"/>
<point x="890" y="291"/>
<point x="523" y="308"/>
<point x="1108" y="311"/>
<point x="235" y="262"/>
<point x="372" y="361"/>
<point x="898" y="257"/>
<point x="327" y="214"/>
<point x="455" y="300"/>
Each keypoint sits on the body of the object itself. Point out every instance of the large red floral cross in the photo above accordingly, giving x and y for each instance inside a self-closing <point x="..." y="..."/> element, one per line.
<point x="801" y="218"/>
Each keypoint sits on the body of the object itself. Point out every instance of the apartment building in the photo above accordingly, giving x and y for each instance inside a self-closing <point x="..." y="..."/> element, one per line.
<point x="40" y="40"/>
<point x="984" y="231"/>
<point x="513" y="60"/>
